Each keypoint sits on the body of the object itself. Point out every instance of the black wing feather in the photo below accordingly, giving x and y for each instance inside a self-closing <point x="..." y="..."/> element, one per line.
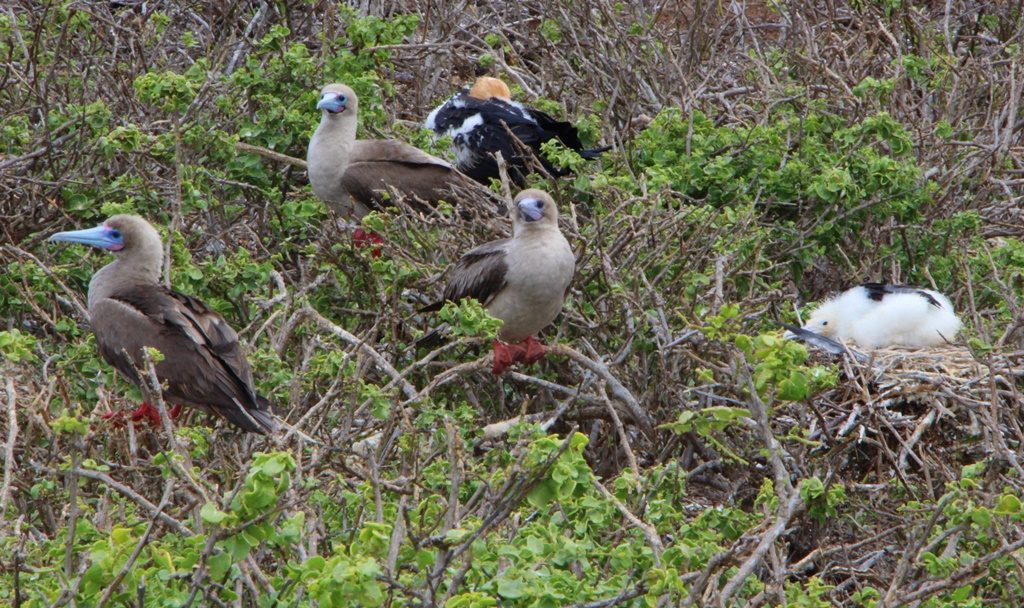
<point x="499" y="117"/>
<point x="826" y="344"/>
<point x="877" y="291"/>
<point x="479" y="274"/>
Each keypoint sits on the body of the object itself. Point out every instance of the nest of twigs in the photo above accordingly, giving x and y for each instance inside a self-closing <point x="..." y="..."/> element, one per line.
<point x="918" y="412"/>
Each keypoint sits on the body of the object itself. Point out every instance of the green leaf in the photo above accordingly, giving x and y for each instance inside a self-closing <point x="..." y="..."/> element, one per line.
<point x="211" y="514"/>
<point x="1008" y="504"/>
<point x="219" y="564"/>
<point x="543" y="493"/>
<point x="511" y="589"/>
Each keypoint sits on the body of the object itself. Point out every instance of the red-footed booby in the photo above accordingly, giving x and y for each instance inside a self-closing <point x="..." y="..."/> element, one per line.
<point x="476" y="119"/>
<point x="203" y="365"/>
<point x="882" y="315"/>
<point x="521" y="280"/>
<point x="353" y="175"/>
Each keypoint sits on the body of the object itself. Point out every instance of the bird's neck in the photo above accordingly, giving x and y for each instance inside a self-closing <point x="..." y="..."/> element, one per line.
<point x="143" y="268"/>
<point x="533" y="231"/>
<point x="334" y="137"/>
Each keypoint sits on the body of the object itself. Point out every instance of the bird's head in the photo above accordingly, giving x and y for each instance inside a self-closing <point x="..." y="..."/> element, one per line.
<point x="337" y="99"/>
<point x="534" y="209"/>
<point x="486" y="87"/>
<point x="119" y="234"/>
<point x="824" y="320"/>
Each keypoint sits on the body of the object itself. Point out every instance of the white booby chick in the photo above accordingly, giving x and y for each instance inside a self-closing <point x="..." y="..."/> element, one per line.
<point x="881" y="315"/>
<point x="476" y="119"/>
<point x="521" y="280"/>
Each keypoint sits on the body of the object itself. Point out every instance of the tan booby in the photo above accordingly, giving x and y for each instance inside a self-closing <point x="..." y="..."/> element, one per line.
<point x="521" y="280"/>
<point x="203" y="365"/>
<point x="479" y="121"/>
<point x="353" y="175"/>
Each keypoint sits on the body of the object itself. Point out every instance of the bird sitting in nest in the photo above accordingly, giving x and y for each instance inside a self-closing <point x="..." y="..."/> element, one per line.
<point x="483" y="120"/>
<point x="883" y="315"/>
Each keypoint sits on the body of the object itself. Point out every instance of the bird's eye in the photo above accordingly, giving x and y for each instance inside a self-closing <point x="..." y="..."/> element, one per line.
<point x="115" y="234"/>
<point x="342" y="98"/>
<point x="824" y="322"/>
<point x="540" y="204"/>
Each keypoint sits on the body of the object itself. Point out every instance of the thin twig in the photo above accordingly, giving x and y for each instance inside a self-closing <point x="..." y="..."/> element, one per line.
<point x="12" y="438"/>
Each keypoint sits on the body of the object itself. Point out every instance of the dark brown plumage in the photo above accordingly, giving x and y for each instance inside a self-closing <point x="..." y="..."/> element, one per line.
<point x="479" y="274"/>
<point x="203" y="363"/>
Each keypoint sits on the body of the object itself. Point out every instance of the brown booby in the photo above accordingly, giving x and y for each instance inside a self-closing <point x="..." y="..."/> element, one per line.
<point x="203" y="365"/>
<point x="521" y="280"/>
<point x="476" y="119"/>
<point x="353" y="175"/>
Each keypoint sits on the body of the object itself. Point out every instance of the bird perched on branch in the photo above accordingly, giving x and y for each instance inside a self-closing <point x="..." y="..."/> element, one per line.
<point x="521" y="280"/>
<point x="881" y="315"/>
<point x="483" y="120"/>
<point x="203" y="364"/>
<point x="353" y="175"/>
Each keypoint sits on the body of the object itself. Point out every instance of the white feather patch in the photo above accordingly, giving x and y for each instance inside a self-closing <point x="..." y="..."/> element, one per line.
<point x="468" y="125"/>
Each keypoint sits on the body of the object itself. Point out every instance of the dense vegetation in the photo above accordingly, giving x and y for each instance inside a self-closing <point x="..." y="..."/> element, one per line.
<point x="672" y="449"/>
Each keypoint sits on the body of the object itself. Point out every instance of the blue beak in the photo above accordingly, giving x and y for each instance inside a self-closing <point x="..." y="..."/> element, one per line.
<point x="531" y="209"/>
<point x="332" y="102"/>
<point x="101" y="236"/>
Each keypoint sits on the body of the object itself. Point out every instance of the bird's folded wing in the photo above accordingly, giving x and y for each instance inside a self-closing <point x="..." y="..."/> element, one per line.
<point x="392" y="151"/>
<point x="202" y="364"/>
<point x="877" y="291"/>
<point x="480" y="274"/>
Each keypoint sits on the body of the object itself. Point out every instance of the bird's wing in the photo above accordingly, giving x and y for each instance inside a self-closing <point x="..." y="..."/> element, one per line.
<point x="563" y="130"/>
<point x="424" y="178"/>
<point x="481" y="273"/>
<point x="450" y="114"/>
<point x="877" y="291"/>
<point x="392" y="151"/>
<point x="481" y="124"/>
<point x="203" y="363"/>
<point x="453" y="114"/>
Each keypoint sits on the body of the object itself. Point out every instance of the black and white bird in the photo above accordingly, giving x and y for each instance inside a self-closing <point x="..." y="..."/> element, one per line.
<point x="476" y="119"/>
<point x="882" y="315"/>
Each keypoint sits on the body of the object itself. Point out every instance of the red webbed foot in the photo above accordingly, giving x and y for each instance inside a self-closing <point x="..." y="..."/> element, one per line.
<point x="505" y="356"/>
<point x="533" y="351"/>
<point x="146" y="412"/>
<point x="362" y="238"/>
